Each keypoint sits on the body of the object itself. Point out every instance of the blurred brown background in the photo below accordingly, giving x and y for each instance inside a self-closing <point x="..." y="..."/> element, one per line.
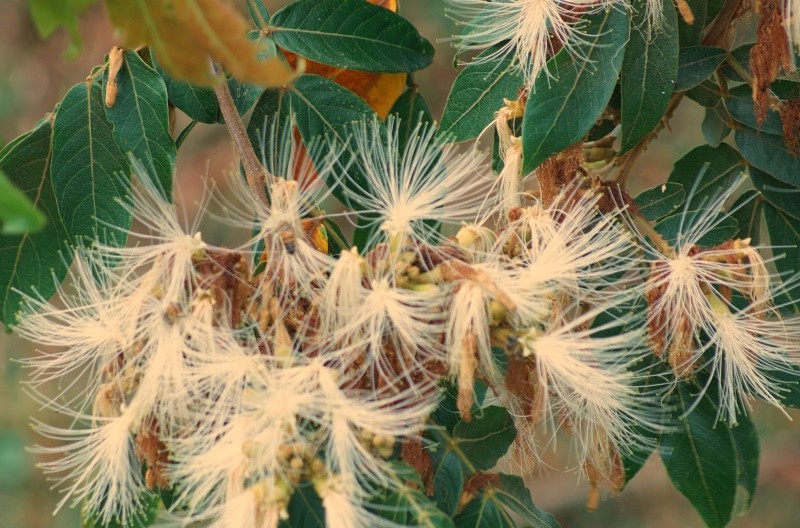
<point x="34" y="75"/>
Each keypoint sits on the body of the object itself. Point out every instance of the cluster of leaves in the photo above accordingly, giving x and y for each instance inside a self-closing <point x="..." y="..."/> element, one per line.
<point x="61" y="183"/>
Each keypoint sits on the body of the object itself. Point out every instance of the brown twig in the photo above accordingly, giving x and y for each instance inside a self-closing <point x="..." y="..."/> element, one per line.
<point x="257" y="176"/>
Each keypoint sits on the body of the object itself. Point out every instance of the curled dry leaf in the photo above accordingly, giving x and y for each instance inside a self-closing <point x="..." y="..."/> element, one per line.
<point x="185" y="33"/>
<point x="115" y="58"/>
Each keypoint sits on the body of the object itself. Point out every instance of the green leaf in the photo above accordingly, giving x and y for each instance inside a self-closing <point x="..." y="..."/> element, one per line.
<point x="351" y="34"/>
<point x="700" y="458"/>
<point x="305" y="509"/>
<point x="696" y="64"/>
<point x="325" y="109"/>
<point x="561" y="111"/>
<point x="715" y="125"/>
<point x="199" y="102"/>
<point x="705" y="94"/>
<point x="406" y="504"/>
<point x="32" y="260"/>
<point x="480" y="442"/>
<point x="740" y="106"/>
<point x="784" y="232"/>
<point x="477" y="93"/>
<point x="745" y="441"/>
<point x="448" y="481"/>
<point x="742" y="56"/>
<point x="784" y="197"/>
<point x="89" y="171"/>
<point x="747" y="212"/>
<point x="648" y="73"/>
<point x="690" y="34"/>
<point x="18" y="215"/>
<point x="411" y="109"/>
<point x="660" y="201"/>
<point x="501" y="503"/>
<point x="724" y="229"/>
<point x="49" y="15"/>
<point x="140" y="117"/>
<point x="716" y="167"/>
<point x="770" y="154"/>
<point x="259" y="13"/>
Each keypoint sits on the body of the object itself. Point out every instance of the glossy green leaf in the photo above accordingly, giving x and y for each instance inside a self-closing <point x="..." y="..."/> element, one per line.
<point x="477" y="93"/>
<point x="696" y="64"/>
<point x="724" y="229"/>
<point x="18" y="215"/>
<point x="784" y="197"/>
<point x="411" y="109"/>
<point x="747" y="212"/>
<point x="200" y="103"/>
<point x="501" y="504"/>
<point x="561" y="111"/>
<point x="480" y="442"/>
<point x="351" y="34"/>
<point x="715" y="125"/>
<point x="716" y="168"/>
<point x="90" y="173"/>
<point x="740" y="106"/>
<point x="648" y="74"/>
<point x="660" y="201"/>
<point x="770" y="154"/>
<point x="32" y="260"/>
<point x="140" y="117"/>
<point x="700" y="458"/>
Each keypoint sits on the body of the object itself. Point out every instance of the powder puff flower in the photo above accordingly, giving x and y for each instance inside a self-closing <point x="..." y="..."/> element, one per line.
<point x="530" y="30"/>
<point x="294" y="195"/>
<point x="586" y="379"/>
<point x="714" y="306"/>
<point x="427" y="181"/>
<point x="375" y="325"/>
<point x="97" y="467"/>
<point x="568" y="246"/>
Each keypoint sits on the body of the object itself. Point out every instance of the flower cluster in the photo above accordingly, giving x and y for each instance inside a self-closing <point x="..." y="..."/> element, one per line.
<point x="236" y="376"/>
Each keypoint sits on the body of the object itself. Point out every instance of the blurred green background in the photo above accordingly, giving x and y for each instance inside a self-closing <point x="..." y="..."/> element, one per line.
<point x="34" y="75"/>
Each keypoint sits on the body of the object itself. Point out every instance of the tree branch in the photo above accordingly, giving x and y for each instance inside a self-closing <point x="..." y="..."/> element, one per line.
<point x="257" y="176"/>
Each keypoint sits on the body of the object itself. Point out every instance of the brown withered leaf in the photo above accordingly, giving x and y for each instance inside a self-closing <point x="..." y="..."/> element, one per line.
<point x="790" y="119"/>
<point x="378" y="90"/>
<point x="185" y="33"/>
<point x="769" y="55"/>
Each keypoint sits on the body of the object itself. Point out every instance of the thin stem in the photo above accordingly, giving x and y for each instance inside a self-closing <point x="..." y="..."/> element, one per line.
<point x="257" y="176"/>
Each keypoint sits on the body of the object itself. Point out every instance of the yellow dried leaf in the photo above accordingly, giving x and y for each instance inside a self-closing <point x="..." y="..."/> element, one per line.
<point x="185" y="33"/>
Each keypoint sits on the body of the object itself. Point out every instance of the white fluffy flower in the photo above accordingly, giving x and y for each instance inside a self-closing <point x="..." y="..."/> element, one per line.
<point x="717" y="303"/>
<point x="530" y="30"/>
<point x="427" y="181"/>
